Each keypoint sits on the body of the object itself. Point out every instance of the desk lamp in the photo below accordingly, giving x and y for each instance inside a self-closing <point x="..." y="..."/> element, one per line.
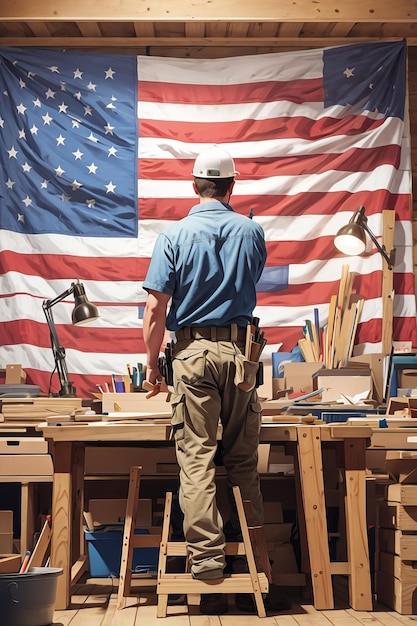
<point x="84" y="311"/>
<point x="351" y="239"/>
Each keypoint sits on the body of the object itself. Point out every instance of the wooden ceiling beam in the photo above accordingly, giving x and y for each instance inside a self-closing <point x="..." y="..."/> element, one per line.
<point x="378" y="11"/>
<point x="189" y="42"/>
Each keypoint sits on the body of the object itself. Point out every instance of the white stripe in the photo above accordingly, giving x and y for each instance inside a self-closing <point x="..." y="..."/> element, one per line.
<point x="69" y="245"/>
<point x="404" y="306"/>
<point x="389" y="133"/>
<point x="383" y="177"/>
<point x="215" y="113"/>
<point x="282" y="66"/>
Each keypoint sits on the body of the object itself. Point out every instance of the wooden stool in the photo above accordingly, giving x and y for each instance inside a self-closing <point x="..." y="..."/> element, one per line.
<point x="132" y="540"/>
<point x="252" y="582"/>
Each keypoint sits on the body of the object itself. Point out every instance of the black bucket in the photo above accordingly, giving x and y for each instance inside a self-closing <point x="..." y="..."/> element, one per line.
<point x="28" y="599"/>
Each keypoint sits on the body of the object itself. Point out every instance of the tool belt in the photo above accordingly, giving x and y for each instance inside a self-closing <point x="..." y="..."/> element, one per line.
<point x="212" y="333"/>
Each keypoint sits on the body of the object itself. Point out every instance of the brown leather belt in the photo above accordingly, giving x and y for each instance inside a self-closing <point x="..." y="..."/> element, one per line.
<point x="213" y="333"/>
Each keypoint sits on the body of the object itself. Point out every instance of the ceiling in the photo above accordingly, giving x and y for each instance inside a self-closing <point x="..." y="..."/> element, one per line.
<point x="203" y="27"/>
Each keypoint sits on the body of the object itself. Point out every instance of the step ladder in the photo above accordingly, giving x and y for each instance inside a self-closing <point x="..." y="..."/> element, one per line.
<point x="253" y="582"/>
<point x="132" y="540"/>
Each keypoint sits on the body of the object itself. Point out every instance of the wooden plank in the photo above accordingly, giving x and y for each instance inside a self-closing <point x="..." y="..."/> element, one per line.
<point x="356" y="525"/>
<point x="388" y="218"/>
<point x="62" y="521"/>
<point x="404" y="494"/>
<point x="312" y="487"/>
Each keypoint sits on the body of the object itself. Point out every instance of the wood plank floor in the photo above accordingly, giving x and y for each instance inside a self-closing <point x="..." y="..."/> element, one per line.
<point x="94" y="604"/>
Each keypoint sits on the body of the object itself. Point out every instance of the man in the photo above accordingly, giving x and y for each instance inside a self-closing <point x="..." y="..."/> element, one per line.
<point x="207" y="265"/>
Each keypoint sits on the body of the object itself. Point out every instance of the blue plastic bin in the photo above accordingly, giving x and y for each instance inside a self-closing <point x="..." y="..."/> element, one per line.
<point x="105" y="553"/>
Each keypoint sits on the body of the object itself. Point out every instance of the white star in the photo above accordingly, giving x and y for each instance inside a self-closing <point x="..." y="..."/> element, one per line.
<point x="27" y="201"/>
<point x="113" y="98"/>
<point x="91" y="86"/>
<point x="31" y="74"/>
<point x="92" y="169"/>
<point x="65" y="198"/>
<point x="44" y="184"/>
<point x="20" y="217"/>
<point x="78" y="154"/>
<point x="109" y="73"/>
<point x="78" y="73"/>
<point x="34" y="130"/>
<point x="12" y="153"/>
<point x="110" y="106"/>
<point x="1" y="122"/>
<point x="63" y="107"/>
<point x="26" y="167"/>
<point x="60" y="141"/>
<point x="349" y="72"/>
<point x="112" y="151"/>
<point x="92" y="138"/>
<point x="63" y="86"/>
<point x="54" y="69"/>
<point x="22" y="83"/>
<point x="47" y="119"/>
<point x="21" y="108"/>
<point x="87" y="110"/>
<point x="49" y="94"/>
<point x="91" y="203"/>
<point x="78" y="95"/>
<point x="37" y="103"/>
<point x="110" y="187"/>
<point x="76" y="123"/>
<point x="109" y="129"/>
<point x="75" y="185"/>
<point x="59" y="171"/>
<point x="9" y="183"/>
<point x="22" y="134"/>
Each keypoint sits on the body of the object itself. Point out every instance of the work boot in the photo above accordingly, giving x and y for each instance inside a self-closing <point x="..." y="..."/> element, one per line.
<point x="213" y="603"/>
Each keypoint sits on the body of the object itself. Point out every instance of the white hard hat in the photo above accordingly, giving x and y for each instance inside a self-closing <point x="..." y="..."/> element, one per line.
<point x="214" y="163"/>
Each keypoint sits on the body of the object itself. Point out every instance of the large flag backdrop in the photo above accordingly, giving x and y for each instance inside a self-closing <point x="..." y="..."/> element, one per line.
<point x="96" y="153"/>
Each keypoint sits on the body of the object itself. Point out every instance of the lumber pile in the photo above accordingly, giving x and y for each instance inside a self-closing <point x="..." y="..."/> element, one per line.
<point x="38" y="409"/>
<point x="333" y="344"/>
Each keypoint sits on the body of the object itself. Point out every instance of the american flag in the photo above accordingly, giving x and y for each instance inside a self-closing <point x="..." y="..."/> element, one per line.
<point x="96" y="153"/>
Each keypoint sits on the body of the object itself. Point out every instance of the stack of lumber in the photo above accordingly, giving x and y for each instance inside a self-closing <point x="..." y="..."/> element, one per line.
<point x="333" y="344"/>
<point x="38" y="409"/>
<point x="396" y="576"/>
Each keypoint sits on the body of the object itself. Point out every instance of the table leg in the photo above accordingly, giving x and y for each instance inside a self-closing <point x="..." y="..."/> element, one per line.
<point x="312" y="487"/>
<point x="62" y="520"/>
<point x="360" y="590"/>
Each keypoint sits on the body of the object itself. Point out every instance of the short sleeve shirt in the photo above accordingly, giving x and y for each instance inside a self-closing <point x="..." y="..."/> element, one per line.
<point x="209" y="263"/>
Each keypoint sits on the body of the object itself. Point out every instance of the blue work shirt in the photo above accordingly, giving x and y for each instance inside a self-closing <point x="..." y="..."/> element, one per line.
<point x="209" y="263"/>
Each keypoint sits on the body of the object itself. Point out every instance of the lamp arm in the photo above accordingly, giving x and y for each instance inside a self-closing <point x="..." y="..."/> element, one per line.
<point x="57" y="349"/>
<point x="390" y="259"/>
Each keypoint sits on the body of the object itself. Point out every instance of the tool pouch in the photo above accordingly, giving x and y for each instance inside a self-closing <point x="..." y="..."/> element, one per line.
<point x="246" y="373"/>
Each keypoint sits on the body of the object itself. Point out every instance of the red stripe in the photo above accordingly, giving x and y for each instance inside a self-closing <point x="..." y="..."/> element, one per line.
<point x="85" y="385"/>
<point x="404" y="329"/>
<point x="354" y="160"/>
<point x="311" y="203"/>
<point x="56" y="266"/>
<point x="258" y="130"/>
<point x="298" y="91"/>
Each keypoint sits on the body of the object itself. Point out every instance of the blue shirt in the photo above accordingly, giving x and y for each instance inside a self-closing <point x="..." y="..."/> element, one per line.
<point x="209" y="263"/>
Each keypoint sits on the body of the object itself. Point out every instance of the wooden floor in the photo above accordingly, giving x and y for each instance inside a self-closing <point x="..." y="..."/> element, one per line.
<point x="94" y="604"/>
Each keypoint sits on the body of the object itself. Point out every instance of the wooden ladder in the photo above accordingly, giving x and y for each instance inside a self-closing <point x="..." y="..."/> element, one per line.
<point x="252" y="582"/>
<point x="132" y="540"/>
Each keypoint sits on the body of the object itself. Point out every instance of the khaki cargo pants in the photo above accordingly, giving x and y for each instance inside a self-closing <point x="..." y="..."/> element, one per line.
<point x="206" y="395"/>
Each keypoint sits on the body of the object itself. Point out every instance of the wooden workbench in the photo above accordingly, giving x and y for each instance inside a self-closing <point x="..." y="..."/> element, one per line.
<point x="70" y="439"/>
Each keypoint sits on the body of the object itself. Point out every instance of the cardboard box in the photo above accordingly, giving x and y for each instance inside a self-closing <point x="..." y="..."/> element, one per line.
<point x="299" y="376"/>
<point x="15" y="374"/>
<point x="6" y="532"/>
<point x="98" y="461"/>
<point x="344" y="381"/>
<point x="10" y="563"/>
<point x="112" y="511"/>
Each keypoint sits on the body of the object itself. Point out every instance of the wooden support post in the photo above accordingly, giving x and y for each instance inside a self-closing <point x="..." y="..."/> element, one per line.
<point x="388" y="218"/>
<point x="312" y="488"/>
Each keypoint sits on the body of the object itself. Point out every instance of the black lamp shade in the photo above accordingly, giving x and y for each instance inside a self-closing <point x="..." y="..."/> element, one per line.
<point x="84" y="311"/>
